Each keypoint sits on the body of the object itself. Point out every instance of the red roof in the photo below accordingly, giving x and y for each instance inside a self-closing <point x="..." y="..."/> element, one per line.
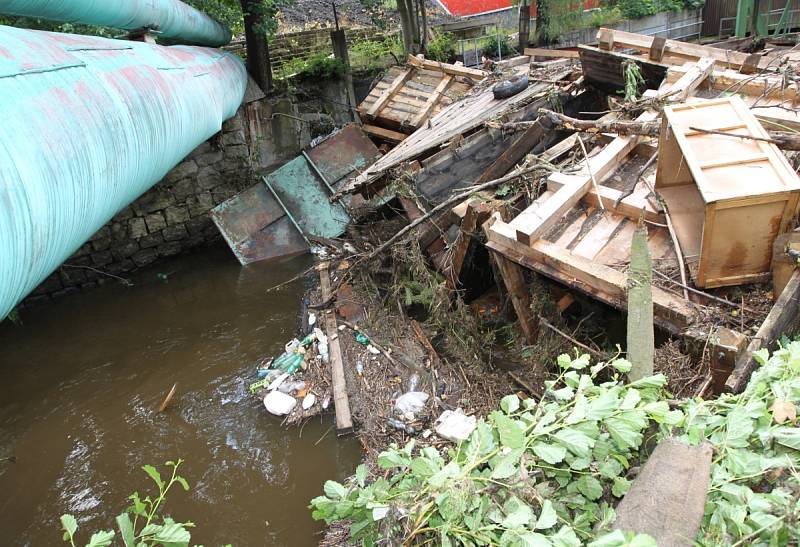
<point x="474" y="7"/>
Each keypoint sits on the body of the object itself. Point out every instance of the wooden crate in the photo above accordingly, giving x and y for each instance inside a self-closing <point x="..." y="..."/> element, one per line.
<point x="728" y="197"/>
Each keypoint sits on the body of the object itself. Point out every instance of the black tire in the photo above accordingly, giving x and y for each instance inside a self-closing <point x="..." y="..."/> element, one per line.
<point x="510" y="87"/>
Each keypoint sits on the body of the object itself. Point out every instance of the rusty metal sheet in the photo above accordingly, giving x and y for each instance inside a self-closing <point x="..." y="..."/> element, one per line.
<point x="255" y="224"/>
<point x="255" y="227"/>
<point x="339" y="156"/>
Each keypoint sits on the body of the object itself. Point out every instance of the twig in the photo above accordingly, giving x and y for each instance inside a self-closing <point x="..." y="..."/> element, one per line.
<point x="678" y="253"/>
<point x="630" y="190"/>
<point x="591" y="174"/>
<point x="703" y="294"/>
<point x="323" y="435"/>
<point x="544" y="322"/>
<point x="126" y="282"/>
<point x="168" y="398"/>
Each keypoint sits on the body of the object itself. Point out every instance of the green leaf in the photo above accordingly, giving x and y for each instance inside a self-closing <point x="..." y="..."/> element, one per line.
<point x="761" y="356"/>
<point x="563" y="394"/>
<point x="518" y="513"/>
<point x="650" y="382"/>
<point x="576" y="442"/>
<point x="530" y="539"/>
<point x="69" y="525"/>
<point x="620" y="486"/>
<point x="622" y="365"/>
<point x="625" y="429"/>
<point x="393" y="458"/>
<point x="551" y="453"/>
<point x="564" y="360"/>
<point x="361" y="475"/>
<point x="509" y="403"/>
<point x="788" y="436"/>
<point x="334" y="490"/>
<point x="511" y="435"/>
<point x="180" y="480"/>
<point x="610" y="468"/>
<point x="126" y="530"/>
<point x="603" y="406"/>
<point x="101" y="539"/>
<point x="449" y="471"/>
<point x="565" y="537"/>
<point x="506" y="465"/>
<point x="547" y="518"/>
<point x="590" y="487"/>
<point x="155" y="475"/>
<point x="738" y="427"/>
<point x="581" y="362"/>
<point x="172" y="533"/>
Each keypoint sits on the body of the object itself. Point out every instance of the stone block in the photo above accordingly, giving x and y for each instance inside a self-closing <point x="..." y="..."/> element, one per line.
<point x="207" y="178"/>
<point x="154" y="200"/>
<point x="200" y="204"/>
<point x="124" y="265"/>
<point x="176" y="215"/>
<point x="151" y="240"/>
<point x="170" y="248"/>
<point x="233" y="137"/>
<point x="196" y="225"/>
<point x="101" y="244"/>
<point x="184" y="188"/>
<point x="155" y="222"/>
<point x="102" y="233"/>
<point x="137" y="228"/>
<point x="204" y="148"/>
<point x="174" y="233"/>
<point x="144" y="257"/>
<point x="237" y="151"/>
<point x="124" y="250"/>
<point x="102" y="258"/>
<point x="119" y="231"/>
<point x="186" y="168"/>
<point x="234" y="123"/>
<point x="210" y="158"/>
<point x="193" y="241"/>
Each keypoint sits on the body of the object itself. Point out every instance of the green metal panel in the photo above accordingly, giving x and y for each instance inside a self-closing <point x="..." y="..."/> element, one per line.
<point x="306" y="197"/>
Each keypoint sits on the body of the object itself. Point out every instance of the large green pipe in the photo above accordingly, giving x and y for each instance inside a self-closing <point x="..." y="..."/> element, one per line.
<point x="171" y="18"/>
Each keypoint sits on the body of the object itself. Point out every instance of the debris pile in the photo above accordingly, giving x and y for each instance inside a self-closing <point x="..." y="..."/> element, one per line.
<point x="495" y="232"/>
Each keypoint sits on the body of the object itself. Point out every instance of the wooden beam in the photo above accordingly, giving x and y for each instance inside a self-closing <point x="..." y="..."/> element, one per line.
<point x="671" y="312"/>
<point x="552" y="53"/>
<point x="691" y="79"/>
<point x="468" y="225"/>
<point x="633" y="207"/>
<point x="532" y="223"/>
<point x="432" y="101"/>
<point x="383" y="133"/>
<point x="344" y="421"/>
<point x="514" y="153"/>
<point x="727" y="346"/>
<point x="514" y="280"/>
<point x="657" y="48"/>
<point x="779" y="321"/>
<point x="384" y="98"/>
<point x="453" y="70"/>
<point x="675" y="48"/>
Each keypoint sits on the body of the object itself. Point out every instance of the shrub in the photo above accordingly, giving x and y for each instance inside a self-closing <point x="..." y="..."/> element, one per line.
<point x="442" y="47"/>
<point x="498" y="41"/>
<point x="322" y="66"/>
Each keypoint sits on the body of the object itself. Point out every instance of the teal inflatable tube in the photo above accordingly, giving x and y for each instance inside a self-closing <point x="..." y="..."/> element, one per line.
<point x="171" y="18"/>
<point x="88" y="125"/>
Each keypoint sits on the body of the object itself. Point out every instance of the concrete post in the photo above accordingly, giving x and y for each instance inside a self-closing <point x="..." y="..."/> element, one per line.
<point x="339" y="42"/>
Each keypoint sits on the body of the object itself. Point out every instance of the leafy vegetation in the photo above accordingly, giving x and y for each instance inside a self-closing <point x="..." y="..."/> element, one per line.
<point x="141" y="524"/>
<point x="442" y="47"/>
<point x="549" y="472"/>
<point x="368" y="55"/>
<point x="497" y="43"/>
<point x="634" y="81"/>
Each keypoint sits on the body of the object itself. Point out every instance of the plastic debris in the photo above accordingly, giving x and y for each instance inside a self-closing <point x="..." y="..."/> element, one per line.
<point x="362" y="338"/>
<point x="289" y="387"/>
<point x="312" y="319"/>
<point x="410" y="403"/>
<point x="326" y="402"/>
<point x="292" y="345"/>
<point x="400" y="426"/>
<point x="413" y="382"/>
<point x="309" y="400"/>
<point x="455" y="425"/>
<point x="379" y="513"/>
<point x="359" y="368"/>
<point x="278" y="381"/>
<point x="279" y="404"/>
<point x="373" y="350"/>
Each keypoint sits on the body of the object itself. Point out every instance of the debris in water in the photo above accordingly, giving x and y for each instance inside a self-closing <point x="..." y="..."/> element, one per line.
<point x="168" y="398"/>
<point x="278" y="403"/>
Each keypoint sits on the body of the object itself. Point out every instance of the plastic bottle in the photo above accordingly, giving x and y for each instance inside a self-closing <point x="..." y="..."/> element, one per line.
<point x="413" y="382"/>
<point x="362" y="339"/>
<point x="292" y="345"/>
<point x="289" y="387"/>
<point x="293" y="365"/>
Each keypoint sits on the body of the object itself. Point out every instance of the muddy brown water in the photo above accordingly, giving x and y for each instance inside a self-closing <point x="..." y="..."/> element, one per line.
<point x="82" y="378"/>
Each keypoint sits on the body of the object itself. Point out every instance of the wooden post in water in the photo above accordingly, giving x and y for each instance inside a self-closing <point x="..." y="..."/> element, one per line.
<point x="339" y="42"/>
<point x="341" y="402"/>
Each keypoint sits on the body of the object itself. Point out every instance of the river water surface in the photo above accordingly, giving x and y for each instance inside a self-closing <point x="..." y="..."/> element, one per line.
<point x="82" y="379"/>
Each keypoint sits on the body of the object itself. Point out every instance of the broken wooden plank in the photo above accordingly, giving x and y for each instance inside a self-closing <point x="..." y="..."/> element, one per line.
<point x="432" y="101"/>
<point x="514" y="153"/>
<point x="557" y="53"/>
<point x="531" y="224"/>
<point x="640" y="335"/>
<point x="383" y="133"/>
<point x="780" y="321"/>
<point x="344" y="421"/>
<point x="453" y="70"/>
<point x="468" y="225"/>
<point x="667" y="499"/>
<point x="691" y="79"/>
<point x="514" y="280"/>
<point x="389" y="92"/>
<point x="728" y="345"/>
<point x="633" y="206"/>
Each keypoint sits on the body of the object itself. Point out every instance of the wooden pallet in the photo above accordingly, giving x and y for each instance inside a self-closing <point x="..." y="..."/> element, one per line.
<point x="408" y="96"/>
